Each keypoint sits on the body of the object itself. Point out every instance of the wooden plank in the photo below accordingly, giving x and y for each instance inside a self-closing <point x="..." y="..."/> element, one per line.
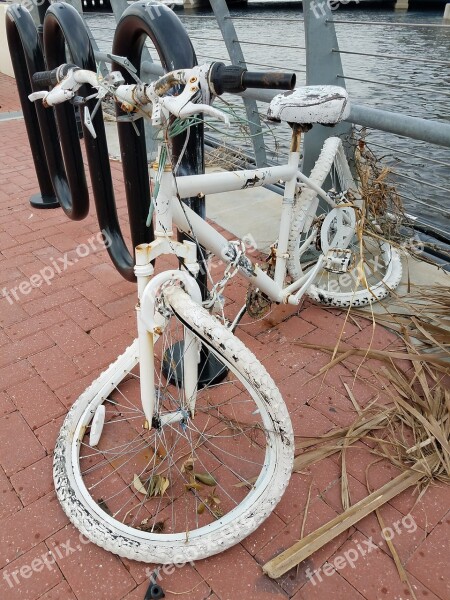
<point x="291" y="557"/>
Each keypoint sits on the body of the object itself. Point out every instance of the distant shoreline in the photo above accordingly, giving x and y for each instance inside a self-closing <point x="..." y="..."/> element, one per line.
<point x="351" y="5"/>
<point x="261" y="5"/>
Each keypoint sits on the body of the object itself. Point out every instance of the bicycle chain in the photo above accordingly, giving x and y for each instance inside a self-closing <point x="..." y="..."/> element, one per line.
<point x="230" y="271"/>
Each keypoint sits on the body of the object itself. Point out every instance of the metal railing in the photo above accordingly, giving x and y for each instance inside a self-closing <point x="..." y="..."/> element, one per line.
<point x="320" y="54"/>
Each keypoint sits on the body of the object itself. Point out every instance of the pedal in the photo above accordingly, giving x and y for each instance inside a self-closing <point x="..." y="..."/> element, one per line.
<point x="338" y="260"/>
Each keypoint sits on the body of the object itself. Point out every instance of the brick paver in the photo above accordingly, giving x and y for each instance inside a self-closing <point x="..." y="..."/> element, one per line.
<point x="54" y="340"/>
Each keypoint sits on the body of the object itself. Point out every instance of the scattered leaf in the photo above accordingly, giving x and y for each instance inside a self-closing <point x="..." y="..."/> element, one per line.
<point x="157" y="485"/>
<point x="192" y="485"/>
<point x="205" y="478"/>
<point x="138" y="485"/>
<point x="201" y="508"/>
<point x="188" y="465"/>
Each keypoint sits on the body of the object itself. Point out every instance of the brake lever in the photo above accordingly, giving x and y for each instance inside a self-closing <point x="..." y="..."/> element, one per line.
<point x="88" y="122"/>
<point x="126" y="64"/>
<point x="191" y="108"/>
<point x="37" y="96"/>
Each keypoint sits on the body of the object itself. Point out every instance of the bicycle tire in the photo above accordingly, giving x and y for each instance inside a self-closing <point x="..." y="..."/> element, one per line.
<point x="332" y="157"/>
<point x="223" y="532"/>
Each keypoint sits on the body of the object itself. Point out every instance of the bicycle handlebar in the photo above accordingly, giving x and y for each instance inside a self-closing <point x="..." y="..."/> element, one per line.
<point x="45" y="79"/>
<point x="235" y="79"/>
<point x="201" y="83"/>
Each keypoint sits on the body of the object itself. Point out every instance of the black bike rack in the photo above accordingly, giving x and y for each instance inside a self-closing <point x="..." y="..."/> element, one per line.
<point x="60" y="165"/>
<point x="27" y="58"/>
<point x="175" y="50"/>
<point x="64" y="26"/>
<point x="163" y="27"/>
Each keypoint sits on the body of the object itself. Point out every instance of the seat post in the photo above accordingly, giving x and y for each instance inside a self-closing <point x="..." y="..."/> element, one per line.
<point x="296" y="138"/>
<point x="287" y="207"/>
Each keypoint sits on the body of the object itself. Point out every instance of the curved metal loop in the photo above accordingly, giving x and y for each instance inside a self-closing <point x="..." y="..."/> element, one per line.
<point x="159" y="23"/>
<point x="63" y="25"/>
<point x="27" y="58"/>
<point x="68" y="177"/>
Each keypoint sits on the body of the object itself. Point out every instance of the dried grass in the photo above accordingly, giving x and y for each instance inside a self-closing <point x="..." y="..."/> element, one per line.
<point x="385" y="217"/>
<point x="412" y="431"/>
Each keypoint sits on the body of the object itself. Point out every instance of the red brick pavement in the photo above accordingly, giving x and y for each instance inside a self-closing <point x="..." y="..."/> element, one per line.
<point x="56" y="339"/>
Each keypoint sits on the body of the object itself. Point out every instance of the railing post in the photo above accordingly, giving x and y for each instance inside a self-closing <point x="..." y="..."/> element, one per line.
<point x="323" y="67"/>
<point x="230" y="37"/>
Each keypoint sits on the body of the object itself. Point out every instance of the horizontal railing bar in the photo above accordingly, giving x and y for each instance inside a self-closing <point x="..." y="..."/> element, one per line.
<point x="426" y="130"/>
<point x="184" y="16"/>
<point x="101" y="28"/>
<point x="209" y="39"/>
<point x="427" y="204"/>
<point x="433" y="160"/>
<point x="421" y="181"/>
<point x="429" y="228"/>
<point x="249" y="62"/>
<point x="211" y="56"/>
<point x="394" y="56"/>
<point x="283" y="67"/>
<point x="272" y="45"/>
<point x="403" y="86"/>
<point x="266" y="20"/>
<point x="390" y="24"/>
<point x="198" y="17"/>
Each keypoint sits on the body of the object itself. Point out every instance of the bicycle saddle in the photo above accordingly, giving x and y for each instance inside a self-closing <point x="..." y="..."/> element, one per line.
<point x="309" y="105"/>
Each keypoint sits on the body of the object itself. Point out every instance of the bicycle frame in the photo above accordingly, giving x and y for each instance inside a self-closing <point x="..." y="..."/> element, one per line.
<point x="168" y="210"/>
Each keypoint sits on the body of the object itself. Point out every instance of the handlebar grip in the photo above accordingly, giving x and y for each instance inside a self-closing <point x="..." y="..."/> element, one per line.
<point x="270" y="81"/>
<point x="235" y="79"/>
<point x="45" y="79"/>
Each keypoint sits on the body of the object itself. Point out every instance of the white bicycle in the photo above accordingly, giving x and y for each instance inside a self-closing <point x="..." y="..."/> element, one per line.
<point x="156" y="462"/>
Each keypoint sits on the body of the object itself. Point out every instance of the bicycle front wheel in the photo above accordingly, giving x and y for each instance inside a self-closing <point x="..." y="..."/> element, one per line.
<point x="197" y="481"/>
<point x="374" y="267"/>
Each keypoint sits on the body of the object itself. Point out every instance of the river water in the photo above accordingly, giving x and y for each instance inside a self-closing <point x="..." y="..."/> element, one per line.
<point x="415" y="83"/>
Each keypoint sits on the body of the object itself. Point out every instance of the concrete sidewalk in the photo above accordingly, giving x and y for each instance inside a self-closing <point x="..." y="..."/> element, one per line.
<point x="54" y="340"/>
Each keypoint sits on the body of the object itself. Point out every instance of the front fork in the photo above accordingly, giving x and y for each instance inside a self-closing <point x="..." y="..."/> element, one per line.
<point x="150" y="325"/>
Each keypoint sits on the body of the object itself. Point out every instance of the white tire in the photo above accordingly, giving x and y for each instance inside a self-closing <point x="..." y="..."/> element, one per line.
<point x="380" y="262"/>
<point x="216" y="441"/>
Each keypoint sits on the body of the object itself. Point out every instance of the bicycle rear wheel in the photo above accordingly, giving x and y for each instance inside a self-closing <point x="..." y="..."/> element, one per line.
<point x="374" y="265"/>
<point x="192" y="485"/>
